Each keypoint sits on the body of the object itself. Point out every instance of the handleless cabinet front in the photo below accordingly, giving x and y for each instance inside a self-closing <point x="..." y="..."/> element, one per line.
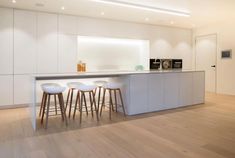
<point x="47" y="43"/>
<point x="6" y="41"/>
<point x="25" y="26"/>
<point x="138" y="94"/>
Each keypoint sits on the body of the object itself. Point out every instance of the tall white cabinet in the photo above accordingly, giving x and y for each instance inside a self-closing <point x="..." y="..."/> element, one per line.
<point x="47" y="43"/>
<point x="67" y="55"/>
<point x="25" y="26"/>
<point x="6" y="56"/>
<point x="6" y="41"/>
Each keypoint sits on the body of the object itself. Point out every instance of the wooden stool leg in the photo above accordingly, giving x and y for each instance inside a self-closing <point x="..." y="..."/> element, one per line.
<point x="47" y="112"/>
<point x="62" y="114"/>
<point x="99" y="93"/>
<point x="91" y="103"/>
<point x="84" y="97"/>
<point x="110" y="103"/>
<point x="122" y="102"/>
<point x="76" y="104"/>
<point x="81" y="105"/>
<point x="42" y="103"/>
<point x="71" y="101"/>
<point x="96" y="108"/>
<point x="115" y="95"/>
<point x="67" y="101"/>
<point x="103" y="100"/>
<point x="55" y="104"/>
<point x="44" y="107"/>
<point x="63" y="108"/>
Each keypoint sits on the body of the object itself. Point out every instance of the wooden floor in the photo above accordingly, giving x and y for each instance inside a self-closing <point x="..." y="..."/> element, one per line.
<point x="201" y="131"/>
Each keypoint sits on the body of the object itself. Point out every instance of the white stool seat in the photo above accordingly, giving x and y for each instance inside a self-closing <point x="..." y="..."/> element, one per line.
<point x="113" y="85"/>
<point x="100" y="83"/>
<point x="85" y="87"/>
<point x="74" y="85"/>
<point x="52" y="88"/>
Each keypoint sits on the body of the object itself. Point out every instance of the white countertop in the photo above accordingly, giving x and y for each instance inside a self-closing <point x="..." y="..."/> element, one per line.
<point x="103" y="74"/>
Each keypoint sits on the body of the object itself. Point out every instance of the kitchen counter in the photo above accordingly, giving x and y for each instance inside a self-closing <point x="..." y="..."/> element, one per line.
<point x="103" y="74"/>
<point x="143" y="91"/>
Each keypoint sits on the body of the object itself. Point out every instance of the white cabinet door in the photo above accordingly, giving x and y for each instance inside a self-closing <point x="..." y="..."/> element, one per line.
<point x="138" y="94"/>
<point x="6" y="90"/>
<point x="171" y="90"/>
<point x="24" y="42"/>
<point x="47" y="43"/>
<point x="68" y="24"/>
<point x="186" y="89"/>
<point x="155" y="94"/>
<point x="22" y="89"/>
<point x="67" y="53"/>
<point x="6" y="41"/>
<point x="198" y="87"/>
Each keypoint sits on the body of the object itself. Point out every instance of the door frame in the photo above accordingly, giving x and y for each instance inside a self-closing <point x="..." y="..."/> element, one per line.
<point x="216" y="54"/>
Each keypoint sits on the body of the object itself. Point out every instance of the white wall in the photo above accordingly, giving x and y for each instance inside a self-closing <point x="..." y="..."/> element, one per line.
<point x="225" y="67"/>
<point x="34" y="42"/>
<point x="165" y="42"/>
<point x="105" y="54"/>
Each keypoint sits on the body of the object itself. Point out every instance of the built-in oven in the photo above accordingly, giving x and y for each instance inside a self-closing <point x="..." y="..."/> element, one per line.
<point x="155" y="64"/>
<point x="166" y="64"/>
<point x="177" y="63"/>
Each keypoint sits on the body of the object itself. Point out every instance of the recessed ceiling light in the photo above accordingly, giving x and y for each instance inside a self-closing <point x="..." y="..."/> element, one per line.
<point x="13" y="1"/>
<point x="144" y="7"/>
<point x="102" y="13"/>
<point x="146" y="19"/>
<point x="63" y="8"/>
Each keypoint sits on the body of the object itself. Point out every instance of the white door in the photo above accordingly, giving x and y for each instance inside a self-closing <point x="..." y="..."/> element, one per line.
<point x="206" y="59"/>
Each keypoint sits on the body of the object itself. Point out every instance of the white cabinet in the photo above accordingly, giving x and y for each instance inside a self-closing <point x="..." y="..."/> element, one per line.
<point x="138" y="94"/>
<point x="6" y="90"/>
<point x="68" y="24"/>
<point x="171" y="90"/>
<point x="47" y="43"/>
<point x="24" y="42"/>
<point x="155" y="93"/>
<point x="22" y="89"/>
<point x="185" y="88"/>
<point x="198" y="87"/>
<point x="67" y="60"/>
<point x="6" y="41"/>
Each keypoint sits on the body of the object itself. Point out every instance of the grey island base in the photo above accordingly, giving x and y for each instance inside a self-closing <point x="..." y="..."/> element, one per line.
<point x="143" y="91"/>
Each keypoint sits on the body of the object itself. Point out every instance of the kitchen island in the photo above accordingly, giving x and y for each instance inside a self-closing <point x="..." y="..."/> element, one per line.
<point x="143" y="91"/>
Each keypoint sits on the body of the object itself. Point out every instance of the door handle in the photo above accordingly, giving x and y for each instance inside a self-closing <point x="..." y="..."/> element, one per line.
<point x="213" y="66"/>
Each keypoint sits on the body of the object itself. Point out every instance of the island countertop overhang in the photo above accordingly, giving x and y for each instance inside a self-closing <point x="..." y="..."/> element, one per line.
<point x="103" y="74"/>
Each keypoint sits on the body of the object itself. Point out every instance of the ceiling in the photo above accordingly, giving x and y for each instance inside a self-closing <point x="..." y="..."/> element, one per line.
<point x="203" y="12"/>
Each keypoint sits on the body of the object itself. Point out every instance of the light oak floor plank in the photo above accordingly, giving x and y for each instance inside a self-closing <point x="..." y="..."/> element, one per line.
<point x="200" y="131"/>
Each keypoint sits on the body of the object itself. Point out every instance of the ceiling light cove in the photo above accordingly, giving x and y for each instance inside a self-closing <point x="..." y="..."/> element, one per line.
<point x="144" y="7"/>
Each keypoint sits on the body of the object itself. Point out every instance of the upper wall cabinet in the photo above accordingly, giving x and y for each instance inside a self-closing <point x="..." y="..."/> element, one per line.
<point x="67" y="24"/>
<point x="24" y="42"/>
<point x="67" y="53"/>
<point x="6" y="41"/>
<point x="47" y="43"/>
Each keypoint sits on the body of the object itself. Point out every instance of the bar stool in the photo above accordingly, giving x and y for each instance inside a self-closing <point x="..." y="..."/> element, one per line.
<point x="43" y="97"/>
<point x="100" y="85"/>
<point x="56" y="90"/>
<point x="72" y="87"/>
<point x="81" y="99"/>
<point x="113" y="87"/>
